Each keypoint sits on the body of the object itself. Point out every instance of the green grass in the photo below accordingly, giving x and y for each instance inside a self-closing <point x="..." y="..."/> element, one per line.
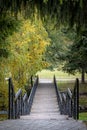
<point x="83" y="116"/>
<point x="3" y="117"/>
<point x="63" y="85"/>
<point x="83" y="100"/>
<point x="59" y="74"/>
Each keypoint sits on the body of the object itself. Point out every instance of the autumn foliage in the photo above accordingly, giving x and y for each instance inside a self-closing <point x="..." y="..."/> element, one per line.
<point x="26" y="49"/>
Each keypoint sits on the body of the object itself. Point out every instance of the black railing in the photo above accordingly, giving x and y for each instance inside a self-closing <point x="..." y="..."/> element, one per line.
<point x="19" y="104"/>
<point x="76" y="100"/>
<point x="31" y="97"/>
<point x="59" y="97"/>
<point x="69" y="100"/>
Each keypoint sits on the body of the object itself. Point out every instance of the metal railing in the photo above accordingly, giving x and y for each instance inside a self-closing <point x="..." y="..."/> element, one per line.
<point x="69" y="100"/>
<point x="19" y="104"/>
<point x="32" y="94"/>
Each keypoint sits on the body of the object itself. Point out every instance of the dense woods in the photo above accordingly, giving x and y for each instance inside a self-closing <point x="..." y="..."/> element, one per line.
<point x="31" y="31"/>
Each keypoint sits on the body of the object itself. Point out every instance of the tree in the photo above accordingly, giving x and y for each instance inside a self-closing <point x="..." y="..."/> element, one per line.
<point x="8" y="25"/>
<point x="76" y="57"/>
<point x="73" y="12"/>
<point x="56" y="50"/>
<point x="26" y="47"/>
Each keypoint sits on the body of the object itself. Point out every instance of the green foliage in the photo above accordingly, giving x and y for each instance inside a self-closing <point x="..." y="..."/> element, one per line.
<point x="73" y="12"/>
<point x="76" y="56"/>
<point x="7" y="26"/>
<point x="56" y="51"/>
<point x="26" y="46"/>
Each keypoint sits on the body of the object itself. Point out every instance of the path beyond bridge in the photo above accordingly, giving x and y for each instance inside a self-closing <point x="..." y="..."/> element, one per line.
<point x="45" y="114"/>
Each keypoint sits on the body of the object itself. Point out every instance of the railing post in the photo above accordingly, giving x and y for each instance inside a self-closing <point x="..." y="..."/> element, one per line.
<point x="21" y="105"/>
<point x="74" y="109"/>
<point x="12" y="101"/>
<point x="76" y="100"/>
<point x="77" y="86"/>
<point x="70" y="109"/>
<point x="16" y="109"/>
<point x="31" y="80"/>
<point x="9" y="98"/>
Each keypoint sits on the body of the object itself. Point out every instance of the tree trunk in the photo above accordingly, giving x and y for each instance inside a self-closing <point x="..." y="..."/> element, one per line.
<point x="83" y="76"/>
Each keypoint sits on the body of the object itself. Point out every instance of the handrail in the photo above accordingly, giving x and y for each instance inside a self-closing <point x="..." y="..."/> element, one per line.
<point x="18" y="94"/>
<point x="69" y="93"/>
<point x="69" y="100"/>
<point x="15" y="101"/>
<point x="25" y="104"/>
<point x="64" y="97"/>
<point x="31" y="97"/>
<point x="25" y="97"/>
<point x="59" y="97"/>
<point x="18" y="103"/>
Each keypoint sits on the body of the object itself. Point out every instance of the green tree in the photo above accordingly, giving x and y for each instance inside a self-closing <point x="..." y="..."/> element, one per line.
<point x="76" y="57"/>
<point x="60" y="40"/>
<point x="8" y="25"/>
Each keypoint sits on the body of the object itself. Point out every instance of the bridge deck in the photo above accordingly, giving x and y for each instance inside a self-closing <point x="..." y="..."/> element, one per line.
<point x="44" y="114"/>
<point x="45" y="103"/>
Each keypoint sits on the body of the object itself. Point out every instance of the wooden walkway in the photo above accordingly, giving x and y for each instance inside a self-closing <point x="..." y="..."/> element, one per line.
<point x="44" y="114"/>
<point x="45" y="105"/>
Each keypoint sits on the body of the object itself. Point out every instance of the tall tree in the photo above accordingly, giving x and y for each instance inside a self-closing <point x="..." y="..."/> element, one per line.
<point x="61" y="38"/>
<point x="76" y="57"/>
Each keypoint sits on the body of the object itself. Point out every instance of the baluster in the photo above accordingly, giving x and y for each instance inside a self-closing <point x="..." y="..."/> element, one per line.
<point x="77" y="84"/>
<point x="21" y="104"/>
<point x="74" y="110"/>
<point x="9" y="96"/>
<point x="70" y="109"/>
<point x="16" y="109"/>
<point x="31" y="80"/>
<point x="12" y="101"/>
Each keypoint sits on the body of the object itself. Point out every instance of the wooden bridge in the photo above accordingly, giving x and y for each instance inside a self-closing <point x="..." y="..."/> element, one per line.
<point x="45" y="109"/>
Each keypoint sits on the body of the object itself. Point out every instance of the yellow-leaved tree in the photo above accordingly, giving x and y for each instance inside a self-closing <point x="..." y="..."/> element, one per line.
<point x="27" y="47"/>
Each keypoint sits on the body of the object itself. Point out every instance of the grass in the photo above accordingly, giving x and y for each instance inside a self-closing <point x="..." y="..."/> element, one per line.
<point x="59" y="74"/>
<point x="3" y="117"/>
<point x="63" y="85"/>
<point x="83" y="116"/>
